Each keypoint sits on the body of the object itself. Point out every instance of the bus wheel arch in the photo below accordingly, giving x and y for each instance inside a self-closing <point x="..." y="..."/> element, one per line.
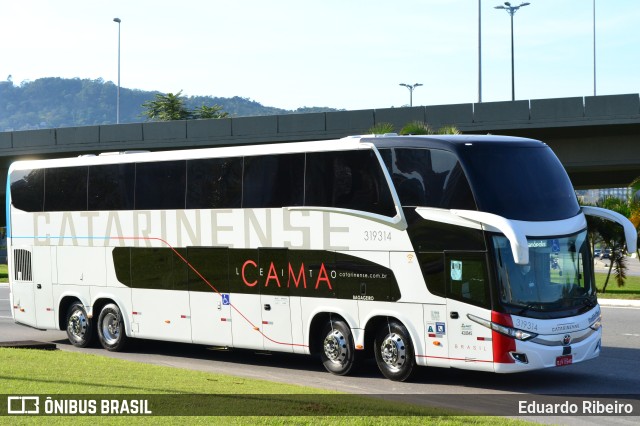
<point x="331" y="338"/>
<point x="110" y="325"/>
<point x="79" y="326"/>
<point x="392" y="346"/>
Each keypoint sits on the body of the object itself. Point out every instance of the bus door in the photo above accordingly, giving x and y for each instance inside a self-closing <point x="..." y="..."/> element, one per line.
<point x="274" y="299"/>
<point x="42" y="284"/>
<point x="22" y="286"/>
<point x="245" y="281"/>
<point x="467" y="290"/>
<point x="209" y="295"/>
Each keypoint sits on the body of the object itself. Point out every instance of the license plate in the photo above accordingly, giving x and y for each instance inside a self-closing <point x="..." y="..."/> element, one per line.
<point x="564" y="360"/>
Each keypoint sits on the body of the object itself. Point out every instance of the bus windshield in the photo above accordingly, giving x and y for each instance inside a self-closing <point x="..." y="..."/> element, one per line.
<point x="558" y="275"/>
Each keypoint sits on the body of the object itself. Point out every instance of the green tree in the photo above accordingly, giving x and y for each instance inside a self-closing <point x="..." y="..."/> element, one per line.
<point x="611" y="236"/>
<point x="205" y="111"/>
<point x="166" y="108"/>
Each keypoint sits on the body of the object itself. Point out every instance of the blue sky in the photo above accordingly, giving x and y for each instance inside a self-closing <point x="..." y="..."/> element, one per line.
<point x="349" y="54"/>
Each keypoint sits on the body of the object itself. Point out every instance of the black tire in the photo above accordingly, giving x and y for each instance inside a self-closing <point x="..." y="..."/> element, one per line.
<point x="80" y="329"/>
<point x="111" y="330"/>
<point x="394" y="351"/>
<point x="337" y="350"/>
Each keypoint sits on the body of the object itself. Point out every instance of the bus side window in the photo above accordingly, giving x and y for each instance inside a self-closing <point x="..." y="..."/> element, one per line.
<point x="214" y="183"/>
<point x="432" y="266"/>
<point x="160" y="185"/>
<point x="428" y="178"/>
<point x="467" y="278"/>
<point x="272" y="181"/>
<point x="111" y="187"/>
<point x="65" y="189"/>
<point x="27" y="189"/>
<point x="347" y="179"/>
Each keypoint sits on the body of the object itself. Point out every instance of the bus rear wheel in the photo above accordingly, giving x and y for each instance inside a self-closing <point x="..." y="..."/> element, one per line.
<point x="394" y="352"/>
<point x="337" y="348"/>
<point x="111" y="328"/>
<point x="79" y="326"/>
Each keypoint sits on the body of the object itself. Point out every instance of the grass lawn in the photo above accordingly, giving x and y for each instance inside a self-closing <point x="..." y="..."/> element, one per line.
<point x="631" y="289"/>
<point x="29" y="372"/>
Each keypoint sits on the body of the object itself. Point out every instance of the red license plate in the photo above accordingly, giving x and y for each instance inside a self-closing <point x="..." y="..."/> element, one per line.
<point x="564" y="360"/>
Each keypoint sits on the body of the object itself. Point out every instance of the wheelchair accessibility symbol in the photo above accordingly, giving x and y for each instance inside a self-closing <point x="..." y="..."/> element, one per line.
<point x="225" y="299"/>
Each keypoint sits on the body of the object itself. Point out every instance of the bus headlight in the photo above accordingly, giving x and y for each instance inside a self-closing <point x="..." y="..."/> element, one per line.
<point x="514" y="333"/>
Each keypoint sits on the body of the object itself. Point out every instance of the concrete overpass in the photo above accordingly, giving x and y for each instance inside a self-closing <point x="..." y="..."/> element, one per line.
<point x="597" y="138"/>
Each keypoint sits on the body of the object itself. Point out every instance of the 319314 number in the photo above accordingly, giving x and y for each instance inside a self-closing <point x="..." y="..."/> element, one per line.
<point x="377" y="236"/>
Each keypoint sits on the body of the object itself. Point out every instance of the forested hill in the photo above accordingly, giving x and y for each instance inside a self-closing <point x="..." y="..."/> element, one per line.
<point x="58" y="102"/>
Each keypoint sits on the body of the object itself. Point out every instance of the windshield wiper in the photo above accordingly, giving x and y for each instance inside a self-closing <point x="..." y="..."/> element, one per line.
<point x="587" y="300"/>
<point x="526" y="309"/>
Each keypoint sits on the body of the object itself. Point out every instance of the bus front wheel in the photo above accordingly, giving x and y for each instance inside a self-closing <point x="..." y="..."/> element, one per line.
<point x="79" y="326"/>
<point x="111" y="328"/>
<point x="338" y="350"/>
<point x="394" y="352"/>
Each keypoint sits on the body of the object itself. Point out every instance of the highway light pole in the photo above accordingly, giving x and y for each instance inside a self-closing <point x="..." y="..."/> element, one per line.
<point x="594" y="47"/>
<point x="117" y="20"/>
<point x="410" y="87"/>
<point x="511" y="10"/>
<point x="479" y="51"/>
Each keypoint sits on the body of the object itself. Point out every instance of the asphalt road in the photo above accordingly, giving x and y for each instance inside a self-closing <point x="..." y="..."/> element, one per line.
<point x="633" y="266"/>
<point x="615" y="372"/>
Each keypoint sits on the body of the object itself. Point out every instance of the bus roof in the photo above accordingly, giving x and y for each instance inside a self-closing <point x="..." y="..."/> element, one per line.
<point x="447" y="142"/>
<point x="450" y="142"/>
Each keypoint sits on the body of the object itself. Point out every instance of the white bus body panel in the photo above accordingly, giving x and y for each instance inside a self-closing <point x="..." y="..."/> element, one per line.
<point x="470" y="345"/>
<point x="210" y="319"/>
<point x="436" y="349"/>
<point x="246" y="321"/>
<point x="44" y="258"/>
<point x="161" y="314"/>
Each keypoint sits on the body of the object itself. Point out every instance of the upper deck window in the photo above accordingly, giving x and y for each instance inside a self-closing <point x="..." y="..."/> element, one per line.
<point x="519" y="182"/>
<point x="273" y="181"/>
<point x="428" y="178"/>
<point x="27" y="189"/>
<point x="349" y="180"/>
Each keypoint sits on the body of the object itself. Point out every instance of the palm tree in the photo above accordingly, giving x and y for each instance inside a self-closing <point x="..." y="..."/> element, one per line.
<point x="416" y="127"/>
<point x="166" y="108"/>
<point x="634" y="206"/>
<point x="612" y="237"/>
<point x="205" y="111"/>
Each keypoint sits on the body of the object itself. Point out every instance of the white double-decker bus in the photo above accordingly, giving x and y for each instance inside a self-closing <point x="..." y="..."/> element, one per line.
<point x="449" y="251"/>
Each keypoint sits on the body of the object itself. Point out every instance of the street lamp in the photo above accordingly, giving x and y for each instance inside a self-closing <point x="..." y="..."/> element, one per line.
<point x="511" y="10"/>
<point x="479" y="51"/>
<point x="117" y="20"/>
<point x="594" y="47"/>
<point x="410" y="87"/>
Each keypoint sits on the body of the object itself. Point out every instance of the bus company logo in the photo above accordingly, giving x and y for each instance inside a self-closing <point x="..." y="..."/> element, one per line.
<point x="566" y="340"/>
<point x="292" y="277"/>
<point x="565" y="327"/>
<point x="23" y="405"/>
